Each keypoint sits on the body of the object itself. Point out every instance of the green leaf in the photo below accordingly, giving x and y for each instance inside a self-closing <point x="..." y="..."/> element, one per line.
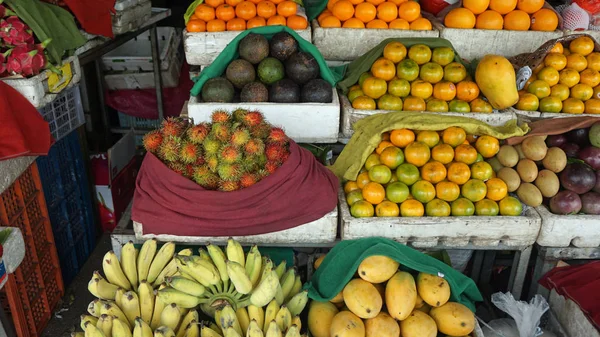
<point x="190" y="10"/>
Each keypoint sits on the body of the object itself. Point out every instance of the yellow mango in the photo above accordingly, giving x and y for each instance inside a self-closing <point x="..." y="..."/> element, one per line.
<point x="382" y="325"/>
<point x="339" y="298"/>
<point x="320" y="315"/>
<point x="347" y="324"/>
<point x="419" y="303"/>
<point x="496" y="79"/>
<point x="425" y="308"/>
<point x="380" y="288"/>
<point x="318" y="261"/>
<point x="362" y="298"/>
<point x="377" y="268"/>
<point x="433" y="289"/>
<point x="400" y="295"/>
<point x="418" y="324"/>
<point x="453" y="319"/>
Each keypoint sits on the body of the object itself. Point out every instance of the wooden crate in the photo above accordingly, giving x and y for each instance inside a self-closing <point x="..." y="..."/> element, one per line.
<point x="571" y="317"/>
<point x="579" y="230"/>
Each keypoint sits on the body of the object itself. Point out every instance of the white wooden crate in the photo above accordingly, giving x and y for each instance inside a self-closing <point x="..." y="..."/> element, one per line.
<point x="453" y="231"/>
<point x="323" y="230"/>
<point x="303" y="122"/>
<point x="203" y="48"/>
<point x="579" y="230"/>
<point x="525" y="114"/>
<point x="570" y="317"/>
<point x="547" y="115"/>
<point x="348" y="44"/>
<point x="131" y="18"/>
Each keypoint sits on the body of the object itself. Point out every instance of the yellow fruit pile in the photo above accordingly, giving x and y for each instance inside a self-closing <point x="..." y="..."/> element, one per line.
<point x="416" y="173"/>
<point x="568" y="81"/>
<point x="383" y="301"/>
<point x="417" y="79"/>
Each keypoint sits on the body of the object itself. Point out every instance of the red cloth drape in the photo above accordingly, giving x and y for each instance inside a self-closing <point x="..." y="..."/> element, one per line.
<point x="93" y="15"/>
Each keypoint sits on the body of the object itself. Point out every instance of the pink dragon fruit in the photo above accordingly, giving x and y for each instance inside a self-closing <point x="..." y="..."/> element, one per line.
<point x="21" y="63"/>
<point x="3" y="62"/>
<point x="5" y="11"/>
<point x="14" y="32"/>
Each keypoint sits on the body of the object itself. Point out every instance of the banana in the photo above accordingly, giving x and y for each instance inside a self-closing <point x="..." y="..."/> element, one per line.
<point x="295" y="288"/>
<point x="202" y="271"/>
<point x="145" y="258"/>
<point x="114" y="273"/>
<point x="253" y="265"/>
<point x="92" y="331"/>
<point x="265" y="291"/>
<point x="230" y="332"/>
<point x="237" y="275"/>
<point x="171" y="268"/>
<point x="100" y="288"/>
<point x="131" y="306"/>
<point x="129" y="263"/>
<point x="205" y="255"/>
<point x="297" y="322"/>
<point x="162" y="258"/>
<point x="170" y="295"/>
<point x="187" y="286"/>
<point x="218" y="258"/>
<point x="186" y="252"/>
<point x="228" y="318"/>
<point x="297" y="303"/>
<point x="266" y="267"/>
<point x="95" y="307"/>
<point x="105" y="324"/>
<point x="243" y="318"/>
<point x="141" y="329"/>
<point x="273" y="330"/>
<point x="215" y="327"/>
<point x="87" y="318"/>
<point x="235" y="252"/>
<point x="164" y="331"/>
<point x="120" y="329"/>
<point x="256" y="314"/>
<point x="192" y="330"/>
<point x="270" y="314"/>
<point x="208" y="332"/>
<point x="191" y="316"/>
<point x="147" y="301"/>
<point x="279" y="294"/>
<point x="119" y="296"/>
<point x="293" y="331"/>
<point x="287" y="281"/>
<point x="159" y="305"/>
<point x="170" y="316"/>
<point x="111" y="309"/>
<point x="281" y="268"/>
<point x="77" y="334"/>
<point x="254" y="329"/>
<point x="283" y="318"/>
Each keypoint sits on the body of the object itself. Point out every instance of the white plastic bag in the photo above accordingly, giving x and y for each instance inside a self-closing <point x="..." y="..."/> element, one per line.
<point x="525" y="316"/>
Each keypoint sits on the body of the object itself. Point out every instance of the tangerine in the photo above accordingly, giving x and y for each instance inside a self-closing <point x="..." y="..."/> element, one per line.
<point x="454" y="136"/>
<point x="510" y="206"/>
<point x="350" y="186"/>
<point x="399" y="24"/>
<point x="548" y="74"/>
<point x="582" y="92"/>
<point x="590" y="77"/>
<point x="412" y="103"/>
<point x="402" y="137"/>
<point x="476" y="6"/>
<point x="297" y="22"/>
<point x="216" y="25"/>
<point x="442" y="153"/>
<point x="489" y="19"/>
<point x="417" y="153"/>
<point x="503" y="6"/>
<point x="408" y="70"/>
<point x="544" y="20"/>
<point x="437" y="207"/>
<point x="530" y="6"/>
<point x="236" y="24"/>
<point x="256" y="21"/>
<point x="486" y="207"/>
<point x="467" y="91"/>
<point x="592" y="106"/>
<point x="593" y="60"/>
<point x="245" y="10"/>
<point x="354" y="196"/>
<point x="278" y="20"/>
<point x="481" y="170"/>
<point x="480" y="105"/>
<point x="397" y="192"/>
<point x="419" y="53"/>
<point x="429" y="138"/>
<point x="433" y="171"/>
<point x="362" y="209"/>
<point x="399" y="87"/>
<point x="266" y="9"/>
<point x="195" y="26"/>
<point x="465" y="153"/>
<point x="496" y="189"/>
<point x="457" y="105"/>
<point x="474" y="190"/>
<point x="576" y="61"/>
<point x="409" y="11"/>
<point x="561" y="91"/>
<point x="373" y="192"/>
<point x="443" y="55"/>
<point x="389" y="102"/>
<point x="550" y="104"/>
<point x="374" y="87"/>
<point x="411" y="208"/>
<point x="568" y="77"/>
<point x="365" y="12"/>
<point x="460" y="18"/>
<point x="372" y="160"/>
<point x="382" y="146"/>
<point x="488" y="146"/>
<point x="421" y="24"/>
<point x="573" y="106"/>
<point x="205" y="12"/>
<point x="557" y="61"/>
<point x="455" y="72"/>
<point x="387" y="209"/>
<point x="582" y="45"/>
<point x="288" y="8"/>
<point x="517" y="20"/>
<point x="421" y="89"/>
<point x="342" y="9"/>
<point x="539" y="88"/>
<point x="377" y="24"/>
<point x="423" y="191"/>
<point x="408" y="174"/>
<point x="447" y="191"/>
<point x="364" y="103"/>
<point x="387" y="11"/>
<point x="383" y="69"/>
<point x="458" y="173"/>
<point x="462" y="207"/>
<point x="437" y="105"/>
<point x="431" y="72"/>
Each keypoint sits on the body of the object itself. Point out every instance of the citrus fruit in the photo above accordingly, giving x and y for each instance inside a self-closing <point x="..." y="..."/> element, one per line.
<point x="362" y="180"/>
<point x="419" y="53"/>
<point x="353" y="197"/>
<point x="394" y="51"/>
<point x="557" y="61"/>
<point x="582" y="45"/>
<point x="488" y="146"/>
<point x="496" y="189"/>
<point x="576" y="61"/>
<point x="437" y="207"/>
<point x="407" y="69"/>
<point x="421" y="89"/>
<point x="353" y="23"/>
<point x="408" y="174"/>
<point x="409" y="10"/>
<point x="476" y="6"/>
<point x="445" y="91"/>
<point x="510" y="206"/>
<point x="412" y="208"/>
<point x="423" y="191"/>
<point x="417" y="153"/>
<point x="486" y="207"/>
<point x="539" y="88"/>
<point x="530" y="6"/>
<point x="474" y="190"/>
<point x="481" y="170"/>
<point x="442" y="55"/>
<point x="460" y="18"/>
<point x="582" y="92"/>
<point x="374" y="87"/>
<point x="590" y="77"/>
<point x="421" y="24"/>
<point x="373" y="192"/>
<point x="561" y="91"/>
<point x="489" y="20"/>
<point x="399" y="24"/>
<point x="431" y="72"/>
<point x="462" y="207"/>
<point x="329" y="22"/>
<point x="550" y="104"/>
<point x="481" y="106"/>
<point x="350" y="186"/>
<point x="433" y="171"/>
<point x="397" y="192"/>
<point x="467" y="91"/>
<point x="592" y="106"/>
<point x="549" y="75"/>
<point x="454" y="72"/>
<point x="384" y="69"/>
<point x="447" y="190"/>
<point x="573" y="106"/>
<point x="389" y="102"/>
<point x="594" y="61"/>
<point x="503" y="6"/>
<point x="544" y="20"/>
<point x="343" y="10"/>
<point x="399" y="87"/>
<point x="454" y="136"/>
<point x="364" y="103"/>
<point x="437" y="105"/>
<point x="442" y="153"/>
<point x="387" y="11"/>
<point x="380" y="174"/>
<point x="382" y="145"/>
<point x="517" y="20"/>
<point x="429" y="138"/>
<point x="457" y="105"/>
<point x="465" y="153"/>
<point x="558" y="48"/>
<point x="458" y="173"/>
<point x="363" y="77"/>
<point x="354" y="94"/>
<point x="412" y="103"/>
<point x="402" y="137"/>
<point x="391" y="157"/>
<point x="387" y="209"/>
<point x="365" y="12"/>
<point x="372" y="160"/>
<point x="362" y="209"/>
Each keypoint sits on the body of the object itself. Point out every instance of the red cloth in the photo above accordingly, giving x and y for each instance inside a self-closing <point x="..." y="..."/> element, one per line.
<point x="23" y="131"/>
<point x="93" y="15"/>
<point x="300" y="191"/>
<point x="579" y="283"/>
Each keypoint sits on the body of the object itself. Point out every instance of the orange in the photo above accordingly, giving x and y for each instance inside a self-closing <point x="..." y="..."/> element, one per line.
<point x="421" y="24"/>
<point x="387" y="12"/>
<point x="437" y="105"/>
<point x="382" y="146"/>
<point x="377" y="24"/>
<point x="397" y="2"/>
<point x="256" y="21"/>
<point x="568" y="77"/>
<point x="458" y="173"/>
<point x="489" y="20"/>
<point x="354" y="196"/>
<point x="373" y="193"/>
<point x="590" y="77"/>
<point x="216" y="26"/>
<point x="356" y="2"/>
<point x="496" y="189"/>
<point x="597" y="92"/>
<point x="330" y="22"/>
<point x="460" y="18"/>
<point x="412" y="103"/>
<point x="417" y="153"/>
<point x="481" y="170"/>
<point x="297" y="22"/>
<point x="480" y="105"/>
<point x="380" y="174"/>
<point x="576" y="61"/>
<point x="276" y="20"/>
<point x="528" y="102"/>
<point x="330" y="4"/>
<point x="343" y="10"/>
<point x="321" y="16"/>
<point x="196" y="25"/>
<point x="558" y="48"/>
<point x="592" y="106"/>
<point x="364" y="103"/>
<point x="550" y="104"/>
<point x="400" y="88"/>
<point x="391" y="157"/>
<point x="548" y="74"/>
<point x="573" y="106"/>
<point x="389" y="102"/>
<point x="556" y="60"/>
<point x="443" y="55"/>
<point x="350" y="186"/>
<point x="582" y="91"/>
<point x="561" y="91"/>
<point x="437" y="207"/>
<point x="236" y="24"/>
<point x="374" y="87"/>
<point x="353" y="23"/>
<point x="408" y="70"/>
<point x="486" y="207"/>
<point x="517" y="20"/>
<point x="419" y="53"/>
<point x="444" y="90"/>
<point x="421" y="89"/>
<point x="387" y="209"/>
<point x="474" y="190"/>
<point x="365" y="12"/>
<point x="528" y="82"/>
<point x="467" y="91"/>
<point x="205" y="12"/>
<point x="455" y="72"/>
<point x="245" y="10"/>
<point x="539" y="88"/>
<point x="462" y="207"/>
<point x="411" y="208"/>
<point x="214" y="3"/>
<point x="376" y="2"/>
<point x="443" y="153"/>
<point x="266" y="9"/>
<point x="399" y="24"/>
<point x="288" y="8"/>
<point x="594" y="61"/>
<point x="372" y="160"/>
<point x="362" y="209"/>
<point x="362" y="180"/>
<point x="193" y="17"/>
<point x="457" y="105"/>
<point x="423" y="191"/>
<point x="510" y="206"/>
<point x="409" y="11"/>
<point x="225" y="12"/>
<point x="488" y="146"/>
<point x="408" y="174"/>
<point x="544" y="20"/>
<point x="476" y="6"/>
<point x="530" y="6"/>
<point x="447" y="191"/>
<point x="431" y="72"/>
<point x="233" y="3"/>
<point x="384" y="69"/>
<point x="402" y="137"/>
<point x="434" y="172"/>
<point x="465" y="153"/>
<point x="397" y="192"/>
<point x="582" y="45"/>
<point x="454" y="136"/>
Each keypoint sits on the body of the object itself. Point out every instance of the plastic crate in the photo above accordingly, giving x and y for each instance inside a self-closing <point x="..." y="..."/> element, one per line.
<point x="33" y="290"/>
<point x="65" y="113"/>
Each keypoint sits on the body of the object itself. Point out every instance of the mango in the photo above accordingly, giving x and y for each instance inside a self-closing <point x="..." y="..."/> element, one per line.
<point x="496" y="79"/>
<point x="318" y="262"/>
<point x="362" y="298"/>
<point x="453" y="319"/>
<point x="418" y="324"/>
<point x="425" y="308"/>
<point x="434" y="290"/>
<point x="419" y="303"/>
<point x="382" y="325"/>
<point x="339" y="298"/>
<point x="380" y="288"/>
<point x="377" y="268"/>
<point x="320" y="315"/>
<point x="347" y="324"/>
<point x="400" y="295"/>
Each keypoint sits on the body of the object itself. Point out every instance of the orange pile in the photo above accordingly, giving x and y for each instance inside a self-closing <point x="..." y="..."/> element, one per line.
<point x="222" y="15"/>
<point x="416" y="173"/>
<point x="374" y="14"/>
<point x="502" y="14"/>
<point x="568" y="81"/>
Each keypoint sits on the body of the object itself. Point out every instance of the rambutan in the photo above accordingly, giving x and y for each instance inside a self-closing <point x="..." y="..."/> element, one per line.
<point x="263" y="173"/>
<point x="248" y="179"/>
<point x="211" y="146"/>
<point x="198" y="133"/>
<point x="240" y="137"/>
<point x="253" y="118"/>
<point x="177" y="167"/>
<point x="205" y="178"/>
<point x="239" y="115"/>
<point x="229" y="154"/>
<point x="271" y="166"/>
<point x="275" y="152"/>
<point x="189" y="170"/>
<point x="189" y="152"/>
<point x="260" y="131"/>
<point x="173" y="127"/>
<point x="229" y="172"/>
<point x="212" y="162"/>
<point x="285" y="156"/>
<point x="152" y="141"/>
<point x="200" y="160"/>
<point x="169" y="150"/>
<point x="220" y="116"/>
<point x="229" y="186"/>
<point x="254" y="147"/>
<point x="220" y="132"/>
<point x="277" y="135"/>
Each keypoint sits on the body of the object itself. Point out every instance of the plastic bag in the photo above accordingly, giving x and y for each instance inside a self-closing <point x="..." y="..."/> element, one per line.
<point x="591" y="6"/>
<point x="526" y="316"/>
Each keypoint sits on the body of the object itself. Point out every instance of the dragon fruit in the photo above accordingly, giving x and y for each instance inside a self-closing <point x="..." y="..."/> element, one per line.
<point x="5" y="11"/>
<point x="14" y="32"/>
<point x="21" y="63"/>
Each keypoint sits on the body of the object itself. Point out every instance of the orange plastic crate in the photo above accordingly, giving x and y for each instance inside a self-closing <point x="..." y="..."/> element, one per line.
<point x="35" y="288"/>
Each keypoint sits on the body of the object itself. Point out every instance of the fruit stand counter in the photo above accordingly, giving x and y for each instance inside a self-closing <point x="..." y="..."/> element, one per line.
<point x="570" y="316"/>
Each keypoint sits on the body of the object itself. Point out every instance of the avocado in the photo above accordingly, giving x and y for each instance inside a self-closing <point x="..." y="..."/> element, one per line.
<point x="283" y="45"/>
<point x="254" y="48"/>
<point x="318" y="91"/>
<point x="254" y="92"/>
<point x="284" y="91"/>
<point x="240" y="72"/>
<point x="301" y="67"/>
<point x="270" y="70"/>
<point x="218" y="89"/>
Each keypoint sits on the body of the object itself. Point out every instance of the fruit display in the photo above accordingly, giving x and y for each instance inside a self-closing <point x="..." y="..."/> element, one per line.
<point x="384" y="301"/>
<point x="233" y="152"/>
<point x="274" y="71"/>
<point x="503" y="14"/>
<point x="374" y="14"/>
<point x="417" y="173"/>
<point x="237" y="15"/>
<point x="157" y="292"/>
<point x="417" y="79"/>
<point x="567" y="81"/>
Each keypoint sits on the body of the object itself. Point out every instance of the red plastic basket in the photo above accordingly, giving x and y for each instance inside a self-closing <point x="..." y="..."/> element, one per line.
<point x="35" y="288"/>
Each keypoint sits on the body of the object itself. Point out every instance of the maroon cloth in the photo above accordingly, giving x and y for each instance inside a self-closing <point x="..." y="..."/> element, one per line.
<point x="579" y="283"/>
<point x="300" y="191"/>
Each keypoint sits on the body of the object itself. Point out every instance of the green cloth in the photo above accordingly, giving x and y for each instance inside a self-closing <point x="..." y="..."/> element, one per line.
<point x="50" y="22"/>
<point x="363" y="64"/>
<point x="367" y="134"/>
<point x="314" y="8"/>
<point x="340" y="264"/>
<point x="230" y="53"/>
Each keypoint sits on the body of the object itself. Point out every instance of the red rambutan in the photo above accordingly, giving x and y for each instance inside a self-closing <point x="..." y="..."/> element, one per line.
<point x="229" y="172"/>
<point x="254" y="147"/>
<point x="253" y="118"/>
<point x="198" y="133"/>
<point x="205" y="178"/>
<point x="220" y="116"/>
<point x="277" y="135"/>
<point x="285" y="156"/>
<point x="177" y="167"/>
<point x="152" y="141"/>
<point x="262" y="173"/>
<point x="271" y="166"/>
<point x="189" y="152"/>
<point x="173" y="127"/>
<point x="240" y="137"/>
<point x="229" y="154"/>
<point x="212" y="162"/>
<point x="275" y="152"/>
<point x="200" y="160"/>
<point x="260" y="131"/>
<point x="248" y="179"/>
<point x="229" y="186"/>
<point x="189" y="170"/>
<point x="220" y="132"/>
<point x="239" y="115"/>
<point x="169" y="150"/>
